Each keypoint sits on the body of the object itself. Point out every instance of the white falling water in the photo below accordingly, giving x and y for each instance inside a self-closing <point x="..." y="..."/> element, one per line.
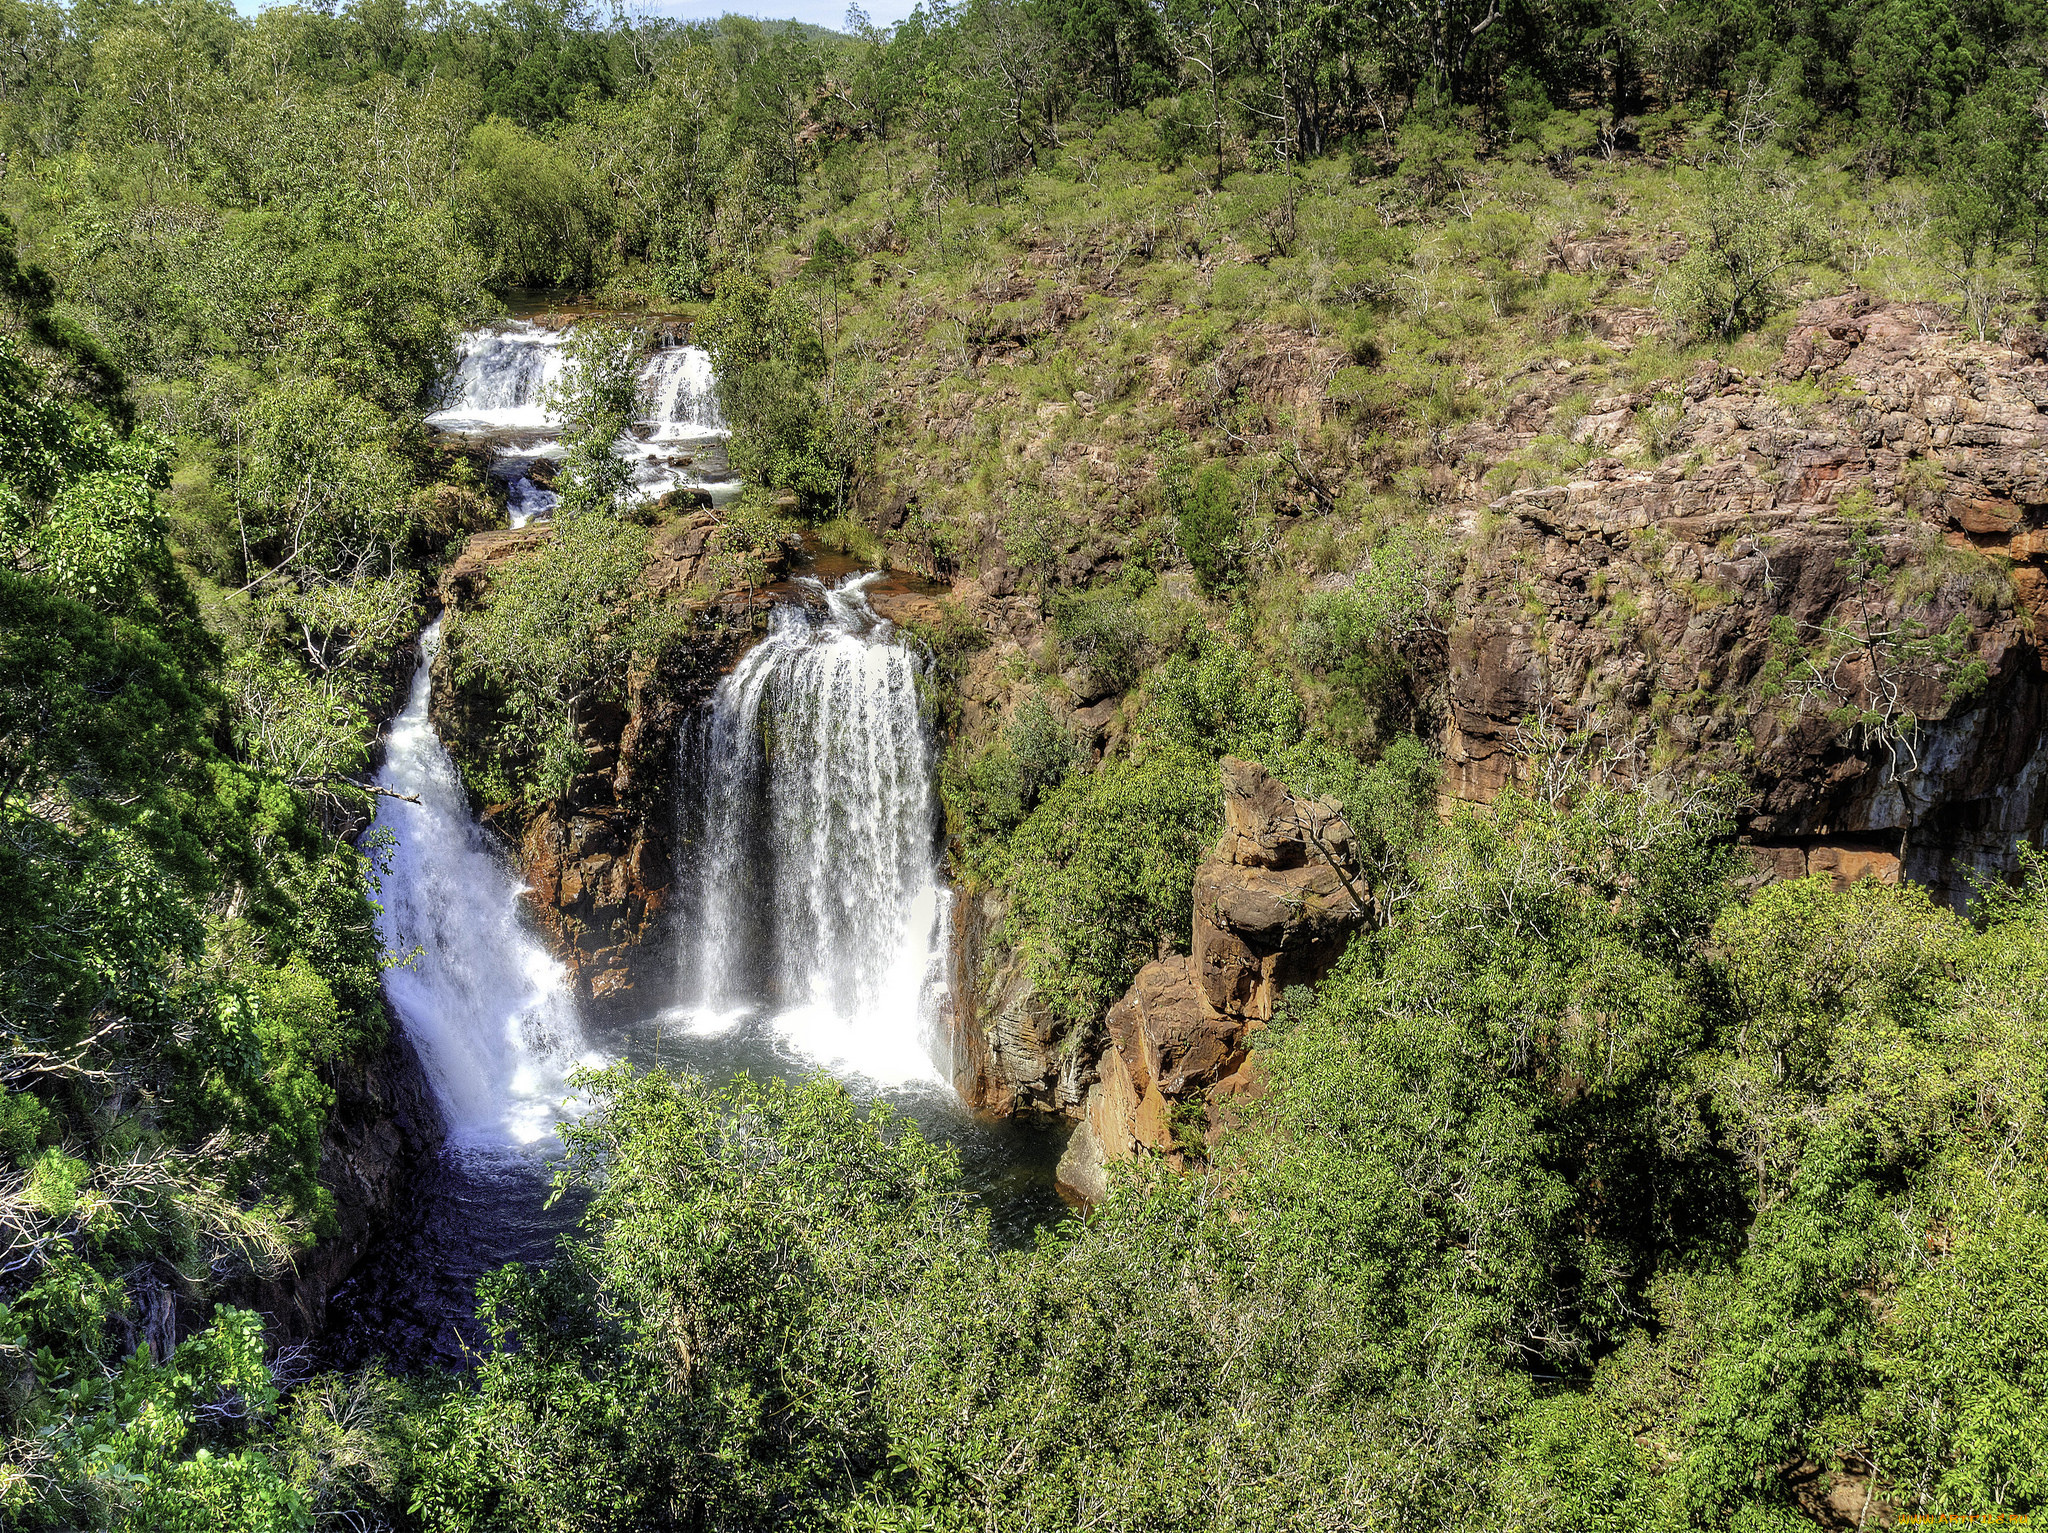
<point x="681" y="399"/>
<point x="819" y="901"/>
<point x="500" y="390"/>
<point x="484" y="1002"/>
<point x="524" y="500"/>
<point x="503" y="374"/>
<point x="501" y="382"/>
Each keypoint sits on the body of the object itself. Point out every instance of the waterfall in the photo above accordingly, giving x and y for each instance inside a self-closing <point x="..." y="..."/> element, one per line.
<point x="503" y="372"/>
<point x="681" y="398"/>
<point x="502" y="375"/>
<point x="819" y="903"/>
<point x="524" y="500"/>
<point x="483" y="1001"/>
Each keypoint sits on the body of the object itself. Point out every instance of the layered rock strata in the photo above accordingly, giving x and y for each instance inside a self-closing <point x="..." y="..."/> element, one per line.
<point x="1877" y="502"/>
<point x="1006" y="1048"/>
<point x="1275" y="902"/>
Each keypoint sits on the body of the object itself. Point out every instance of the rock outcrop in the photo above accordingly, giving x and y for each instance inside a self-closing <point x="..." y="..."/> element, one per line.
<point x="599" y="861"/>
<point x="1006" y="1048"/>
<point x="1275" y="902"/>
<point x="1877" y="503"/>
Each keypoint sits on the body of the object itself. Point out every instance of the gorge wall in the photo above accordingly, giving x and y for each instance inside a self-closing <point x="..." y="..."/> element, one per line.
<point x="1820" y="580"/>
<point x="600" y="860"/>
<point x="1875" y="501"/>
<point x="382" y="1134"/>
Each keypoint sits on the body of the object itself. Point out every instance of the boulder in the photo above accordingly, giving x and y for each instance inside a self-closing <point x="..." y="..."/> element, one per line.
<point x="1274" y="905"/>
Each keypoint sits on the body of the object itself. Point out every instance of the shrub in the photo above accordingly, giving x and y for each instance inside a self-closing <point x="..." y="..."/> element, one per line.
<point x="1102" y="875"/>
<point x="1207" y="527"/>
<point x="1105" y="634"/>
<point x="1748" y="235"/>
<point x="1004" y="781"/>
<point x="555" y="630"/>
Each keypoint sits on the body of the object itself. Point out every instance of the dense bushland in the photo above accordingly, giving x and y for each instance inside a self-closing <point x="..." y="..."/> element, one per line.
<point x="1586" y="1194"/>
<point x="188" y="955"/>
<point x="1592" y="1191"/>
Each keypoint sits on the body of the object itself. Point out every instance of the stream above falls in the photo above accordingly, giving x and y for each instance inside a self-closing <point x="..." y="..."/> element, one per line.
<point x="500" y="395"/>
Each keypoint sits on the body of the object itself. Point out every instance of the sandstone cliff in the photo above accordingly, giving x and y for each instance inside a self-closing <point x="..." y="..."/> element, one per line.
<point x="1779" y="577"/>
<point x="1275" y="902"/>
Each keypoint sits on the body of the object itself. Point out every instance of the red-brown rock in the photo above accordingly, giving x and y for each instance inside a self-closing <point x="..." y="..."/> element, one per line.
<point x="1273" y="907"/>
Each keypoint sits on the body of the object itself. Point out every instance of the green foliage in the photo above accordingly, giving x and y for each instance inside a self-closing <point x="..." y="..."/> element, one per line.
<point x="324" y="495"/>
<point x="1207" y="525"/>
<point x="532" y="208"/>
<point x="1223" y="699"/>
<point x="1749" y="234"/>
<point x="1491" y="1243"/>
<point x="597" y="399"/>
<point x="995" y="790"/>
<point x="1106" y="635"/>
<point x="1375" y="638"/>
<point x="555" y="633"/>
<point x="1960" y="1399"/>
<point x="129" y="833"/>
<point x="752" y="529"/>
<point x="1101" y="875"/>
<point x="694" y="1364"/>
<point x="1587" y="1193"/>
<point x="768" y="353"/>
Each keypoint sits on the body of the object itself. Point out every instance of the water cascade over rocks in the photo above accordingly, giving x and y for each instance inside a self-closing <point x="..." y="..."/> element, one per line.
<point x="678" y="387"/>
<point x="500" y="391"/>
<point x="812" y="931"/>
<point x="819" y="905"/>
<point x="481" y="999"/>
<point x="501" y="382"/>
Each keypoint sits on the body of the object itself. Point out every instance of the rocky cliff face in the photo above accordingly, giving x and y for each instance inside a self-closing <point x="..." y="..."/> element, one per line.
<point x="384" y="1130"/>
<point x="1823" y="581"/>
<point x="1275" y="903"/>
<point x="600" y="860"/>
<point x="1006" y="1051"/>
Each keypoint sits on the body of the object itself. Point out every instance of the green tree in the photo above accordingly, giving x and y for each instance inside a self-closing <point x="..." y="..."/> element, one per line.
<point x="771" y="366"/>
<point x="554" y="637"/>
<point x="1206" y="526"/>
<point x="530" y="207"/>
<point x="1749" y="233"/>
<point x="598" y="399"/>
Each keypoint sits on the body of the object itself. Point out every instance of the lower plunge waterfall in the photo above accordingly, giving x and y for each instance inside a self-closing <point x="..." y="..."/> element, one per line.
<point x="814" y="935"/>
<point x="818" y="900"/>
<point x="481" y="999"/>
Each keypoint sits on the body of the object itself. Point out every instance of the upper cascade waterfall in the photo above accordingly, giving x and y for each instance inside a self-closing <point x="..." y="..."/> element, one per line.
<point x="482" y="1000"/>
<point x="819" y="898"/>
<point x="503" y="373"/>
<point x="502" y="376"/>
<point x="679" y="390"/>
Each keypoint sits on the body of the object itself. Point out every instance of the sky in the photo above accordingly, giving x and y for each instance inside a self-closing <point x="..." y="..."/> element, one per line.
<point x="823" y="13"/>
